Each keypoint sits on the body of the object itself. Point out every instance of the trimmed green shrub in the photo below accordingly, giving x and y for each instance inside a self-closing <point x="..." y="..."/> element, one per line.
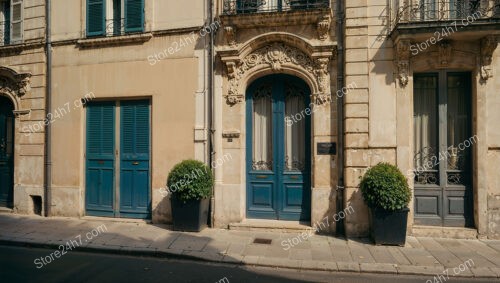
<point x="190" y="180"/>
<point x="385" y="187"/>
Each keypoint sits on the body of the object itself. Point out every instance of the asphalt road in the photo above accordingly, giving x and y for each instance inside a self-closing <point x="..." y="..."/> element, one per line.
<point x="19" y="264"/>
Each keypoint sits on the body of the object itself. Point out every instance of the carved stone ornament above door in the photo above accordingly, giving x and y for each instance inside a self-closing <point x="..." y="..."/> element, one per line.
<point x="14" y="85"/>
<point x="277" y="57"/>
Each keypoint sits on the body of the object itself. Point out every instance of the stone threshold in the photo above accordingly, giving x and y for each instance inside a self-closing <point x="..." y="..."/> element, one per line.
<point x="444" y="232"/>
<point x="262" y="225"/>
<point x="6" y="210"/>
<point x="112" y="219"/>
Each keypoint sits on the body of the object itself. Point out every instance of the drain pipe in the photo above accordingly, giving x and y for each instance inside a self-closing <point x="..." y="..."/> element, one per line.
<point x="47" y="180"/>
<point x="340" y="113"/>
<point x="210" y="106"/>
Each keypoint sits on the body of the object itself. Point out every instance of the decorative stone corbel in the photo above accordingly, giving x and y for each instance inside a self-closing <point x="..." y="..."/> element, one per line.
<point x="323" y="79"/>
<point x="444" y="53"/>
<point x="12" y="82"/>
<point x="323" y="27"/>
<point x="230" y="35"/>
<point x="488" y="46"/>
<point x="403" y="61"/>
<point x="233" y="96"/>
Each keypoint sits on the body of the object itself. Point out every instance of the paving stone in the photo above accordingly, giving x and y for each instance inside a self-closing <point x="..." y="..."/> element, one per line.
<point x="493" y="244"/>
<point x="398" y="255"/>
<point x="322" y="254"/>
<point x="325" y="265"/>
<point x="496" y="270"/>
<point x="232" y="258"/>
<point x="413" y="243"/>
<point x="189" y="243"/>
<point x="301" y="254"/>
<point x="348" y="266"/>
<point x="378" y="268"/>
<point x="236" y="248"/>
<point x="277" y="252"/>
<point x="251" y="259"/>
<point x="419" y="270"/>
<point x="361" y="254"/>
<point x="341" y="253"/>
<point x="255" y="249"/>
<point x="420" y="257"/>
<point x="381" y="254"/>
<point x="483" y="272"/>
<point x="445" y="257"/>
<point x="204" y="255"/>
<point x="277" y="262"/>
<point x="216" y="247"/>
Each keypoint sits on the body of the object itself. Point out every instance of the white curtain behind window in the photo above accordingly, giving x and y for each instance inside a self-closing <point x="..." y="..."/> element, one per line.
<point x="425" y="120"/>
<point x="262" y="133"/>
<point x="295" y="134"/>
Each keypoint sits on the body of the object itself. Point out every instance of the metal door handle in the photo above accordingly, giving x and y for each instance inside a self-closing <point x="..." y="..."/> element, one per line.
<point x="294" y="177"/>
<point x="261" y="177"/>
<point x="135" y="163"/>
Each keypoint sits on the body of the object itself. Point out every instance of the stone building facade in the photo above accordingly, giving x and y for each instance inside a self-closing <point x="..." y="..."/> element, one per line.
<point x="22" y="94"/>
<point x="289" y="101"/>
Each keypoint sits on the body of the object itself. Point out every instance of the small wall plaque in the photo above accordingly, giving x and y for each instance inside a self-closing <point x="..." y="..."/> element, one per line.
<point x="327" y="148"/>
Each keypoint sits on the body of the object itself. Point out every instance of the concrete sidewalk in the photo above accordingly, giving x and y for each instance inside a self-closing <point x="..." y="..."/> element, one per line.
<point x="420" y="256"/>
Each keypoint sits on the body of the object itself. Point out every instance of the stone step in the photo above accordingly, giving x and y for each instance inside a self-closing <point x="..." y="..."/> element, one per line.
<point x="6" y="210"/>
<point x="261" y="225"/>
<point x="444" y="232"/>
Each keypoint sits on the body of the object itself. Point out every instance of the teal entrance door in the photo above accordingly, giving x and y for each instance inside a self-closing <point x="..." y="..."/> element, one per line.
<point x="118" y="147"/>
<point x="6" y="152"/>
<point x="278" y="149"/>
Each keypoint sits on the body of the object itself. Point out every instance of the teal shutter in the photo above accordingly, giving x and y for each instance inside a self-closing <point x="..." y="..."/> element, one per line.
<point x="100" y="161"/>
<point x="6" y="26"/>
<point x="134" y="15"/>
<point x="96" y="17"/>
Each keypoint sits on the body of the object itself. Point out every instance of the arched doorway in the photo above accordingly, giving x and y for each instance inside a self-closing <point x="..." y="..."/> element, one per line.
<point x="278" y="148"/>
<point x="6" y="152"/>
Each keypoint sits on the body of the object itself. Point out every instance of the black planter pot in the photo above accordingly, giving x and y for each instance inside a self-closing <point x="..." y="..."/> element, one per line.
<point x="388" y="227"/>
<point x="191" y="216"/>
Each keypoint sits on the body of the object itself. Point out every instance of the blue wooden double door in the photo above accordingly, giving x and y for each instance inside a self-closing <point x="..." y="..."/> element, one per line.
<point x="278" y="149"/>
<point x="118" y="159"/>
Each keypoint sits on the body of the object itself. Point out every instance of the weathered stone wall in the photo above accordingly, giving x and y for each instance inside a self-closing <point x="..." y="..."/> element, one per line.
<point x="29" y="57"/>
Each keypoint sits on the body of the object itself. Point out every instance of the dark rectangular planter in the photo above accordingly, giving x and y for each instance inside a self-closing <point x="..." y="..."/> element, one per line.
<point x="191" y="216"/>
<point x="388" y="227"/>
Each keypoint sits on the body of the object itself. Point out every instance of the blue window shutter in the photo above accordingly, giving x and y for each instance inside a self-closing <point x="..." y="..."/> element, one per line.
<point x="6" y="27"/>
<point x="135" y="129"/>
<point x="96" y="17"/>
<point x="134" y="15"/>
<point x="100" y="130"/>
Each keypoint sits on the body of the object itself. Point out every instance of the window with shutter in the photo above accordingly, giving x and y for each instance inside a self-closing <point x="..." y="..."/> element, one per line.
<point x="16" y="18"/>
<point x="96" y="17"/>
<point x="5" y="27"/>
<point x="134" y="15"/>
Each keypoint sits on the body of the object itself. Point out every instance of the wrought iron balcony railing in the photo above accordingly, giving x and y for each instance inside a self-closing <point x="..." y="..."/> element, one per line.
<point x="414" y="11"/>
<point x="232" y="7"/>
<point x="114" y="27"/>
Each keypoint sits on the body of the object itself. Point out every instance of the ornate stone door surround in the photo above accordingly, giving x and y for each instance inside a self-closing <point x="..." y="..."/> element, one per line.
<point x="242" y="63"/>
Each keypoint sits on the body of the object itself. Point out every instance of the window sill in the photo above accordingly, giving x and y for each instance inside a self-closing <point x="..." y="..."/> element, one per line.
<point x="137" y="38"/>
<point x="16" y="48"/>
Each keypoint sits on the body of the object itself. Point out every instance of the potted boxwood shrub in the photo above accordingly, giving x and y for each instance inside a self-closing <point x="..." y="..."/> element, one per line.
<point x="190" y="183"/>
<point x="387" y="194"/>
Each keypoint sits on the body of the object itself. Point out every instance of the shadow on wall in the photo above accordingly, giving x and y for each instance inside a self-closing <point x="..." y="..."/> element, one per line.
<point x="162" y="212"/>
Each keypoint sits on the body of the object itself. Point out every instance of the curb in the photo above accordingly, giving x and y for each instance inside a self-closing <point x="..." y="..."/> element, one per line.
<point x="346" y="267"/>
